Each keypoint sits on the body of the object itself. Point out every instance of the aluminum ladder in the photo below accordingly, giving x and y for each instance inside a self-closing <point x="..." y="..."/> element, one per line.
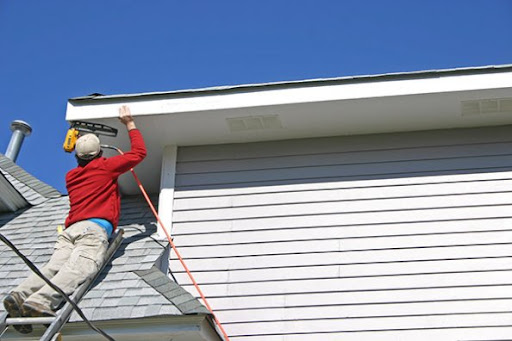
<point x="56" y="323"/>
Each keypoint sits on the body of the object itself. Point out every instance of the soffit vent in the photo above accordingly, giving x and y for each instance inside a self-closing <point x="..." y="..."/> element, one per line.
<point x="486" y="106"/>
<point x="259" y="122"/>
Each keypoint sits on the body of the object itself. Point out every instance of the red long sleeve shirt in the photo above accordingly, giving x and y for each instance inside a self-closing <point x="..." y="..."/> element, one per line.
<point x="93" y="190"/>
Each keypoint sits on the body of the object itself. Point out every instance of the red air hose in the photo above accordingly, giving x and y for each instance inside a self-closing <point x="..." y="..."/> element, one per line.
<point x="226" y="337"/>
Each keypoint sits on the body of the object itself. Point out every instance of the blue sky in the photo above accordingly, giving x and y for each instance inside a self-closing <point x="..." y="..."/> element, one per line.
<point x="54" y="50"/>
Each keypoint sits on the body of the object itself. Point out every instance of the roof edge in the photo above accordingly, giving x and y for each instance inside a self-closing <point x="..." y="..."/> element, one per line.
<point x="172" y="291"/>
<point x="21" y="179"/>
<point x="11" y="199"/>
<point x="141" y="327"/>
<point x="310" y="82"/>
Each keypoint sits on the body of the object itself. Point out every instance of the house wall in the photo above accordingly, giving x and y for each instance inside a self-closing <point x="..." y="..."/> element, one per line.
<point x="379" y="237"/>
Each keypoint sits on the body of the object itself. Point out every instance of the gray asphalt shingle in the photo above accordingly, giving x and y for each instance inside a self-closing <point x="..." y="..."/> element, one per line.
<point x="131" y="286"/>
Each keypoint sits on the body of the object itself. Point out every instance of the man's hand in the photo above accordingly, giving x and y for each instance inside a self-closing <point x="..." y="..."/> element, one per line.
<point x="125" y="116"/>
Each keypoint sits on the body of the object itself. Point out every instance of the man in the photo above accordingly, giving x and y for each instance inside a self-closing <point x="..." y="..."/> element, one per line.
<point x="94" y="213"/>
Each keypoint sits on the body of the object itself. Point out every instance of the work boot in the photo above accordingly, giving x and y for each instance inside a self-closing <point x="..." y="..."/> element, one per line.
<point x="13" y="305"/>
<point x="33" y="309"/>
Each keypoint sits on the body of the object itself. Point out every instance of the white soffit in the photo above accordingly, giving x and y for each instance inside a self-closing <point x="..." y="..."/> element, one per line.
<point x="345" y="106"/>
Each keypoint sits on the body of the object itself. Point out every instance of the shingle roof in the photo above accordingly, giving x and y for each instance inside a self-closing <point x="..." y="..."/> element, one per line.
<point x="20" y="189"/>
<point x="131" y="286"/>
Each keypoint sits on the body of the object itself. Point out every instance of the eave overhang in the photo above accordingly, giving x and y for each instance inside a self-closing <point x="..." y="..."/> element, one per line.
<point x="313" y="108"/>
<point x="10" y="199"/>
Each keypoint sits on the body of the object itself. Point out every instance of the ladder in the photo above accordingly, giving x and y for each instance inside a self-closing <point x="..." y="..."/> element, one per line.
<point x="57" y="323"/>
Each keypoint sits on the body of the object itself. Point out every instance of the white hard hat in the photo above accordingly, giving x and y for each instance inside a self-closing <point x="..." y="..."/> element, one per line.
<point x="87" y="146"/>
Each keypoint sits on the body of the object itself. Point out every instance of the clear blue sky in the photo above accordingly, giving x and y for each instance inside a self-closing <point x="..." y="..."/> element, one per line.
<point x="54" y="50"/>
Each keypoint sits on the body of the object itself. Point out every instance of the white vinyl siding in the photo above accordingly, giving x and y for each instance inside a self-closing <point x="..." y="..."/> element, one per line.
<point x="377" y="237"/>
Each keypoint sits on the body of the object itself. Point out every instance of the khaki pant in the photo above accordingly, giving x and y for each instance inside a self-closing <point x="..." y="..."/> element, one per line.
<point x="79" y="253"/>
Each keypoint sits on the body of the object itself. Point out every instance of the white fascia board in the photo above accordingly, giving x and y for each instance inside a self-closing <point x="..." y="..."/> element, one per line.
<point x="180" y="328"/>
<point x="246" y="98"/>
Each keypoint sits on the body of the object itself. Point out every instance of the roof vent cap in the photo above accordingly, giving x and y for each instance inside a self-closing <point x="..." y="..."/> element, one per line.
<point x="19" y="129"/>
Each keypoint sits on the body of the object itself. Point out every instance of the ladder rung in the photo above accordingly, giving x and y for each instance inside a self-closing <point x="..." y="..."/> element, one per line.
<point x="29" y="320"/>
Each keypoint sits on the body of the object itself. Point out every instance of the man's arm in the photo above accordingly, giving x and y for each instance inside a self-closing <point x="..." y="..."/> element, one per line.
<point x="122" y="163"/>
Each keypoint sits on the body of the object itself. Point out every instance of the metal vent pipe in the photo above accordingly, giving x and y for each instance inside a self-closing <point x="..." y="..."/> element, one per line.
<point x="19" y="130"/>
